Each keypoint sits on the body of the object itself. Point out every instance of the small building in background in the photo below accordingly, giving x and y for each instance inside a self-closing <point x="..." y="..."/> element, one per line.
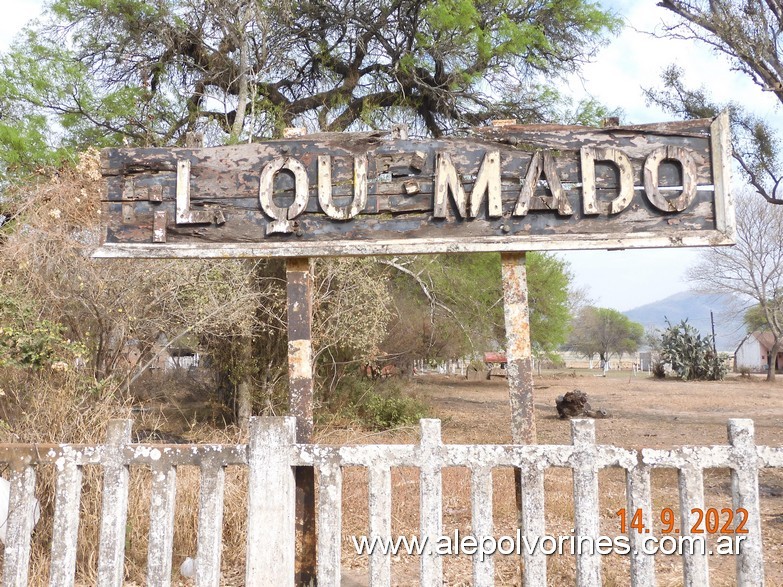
<point x="753" y="352"/>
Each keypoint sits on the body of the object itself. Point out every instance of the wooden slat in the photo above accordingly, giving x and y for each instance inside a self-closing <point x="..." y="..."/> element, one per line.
<point x="330" y="511"/>
<point x="745" y="494"/>
<point x="431" y="499"/>
<point x="161" y="536"/>
<point x="271" y="538"/>
<point x="586" y="518"/>
<point x="210" y="524"/>
<point x="114" y="506"/>
<point x="532" y="523"/>
<point x="695" y="568"/>
<point x="380" y="496"/>
<point x="411" y="246"/>
<point x="23" y="512"/>
<point x="65" y="531"/>
<point x="640" y="498"/>
<point x="481" y="524"/>
<point x="720" y="146"/>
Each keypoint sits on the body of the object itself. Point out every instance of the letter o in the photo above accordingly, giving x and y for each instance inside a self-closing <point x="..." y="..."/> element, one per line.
<point x="552" y="545"/>
<point x="266" y="187"/>
<point x="667" y="545"/>
<point x="651" y="166"/>
<point x="507" y="540"/>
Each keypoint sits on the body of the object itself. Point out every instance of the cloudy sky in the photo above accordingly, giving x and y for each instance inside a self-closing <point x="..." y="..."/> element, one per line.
<point x="635" y="59"/>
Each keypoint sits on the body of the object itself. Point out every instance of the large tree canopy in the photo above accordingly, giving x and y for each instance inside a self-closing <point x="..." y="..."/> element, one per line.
<point x="146" y="73"/>
<point x="604" y="332"/>
<point x="749" y="34"/>
<point x="451" y="306"/>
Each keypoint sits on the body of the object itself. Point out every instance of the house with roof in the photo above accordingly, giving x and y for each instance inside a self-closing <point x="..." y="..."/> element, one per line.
<point x="753" y="352"/>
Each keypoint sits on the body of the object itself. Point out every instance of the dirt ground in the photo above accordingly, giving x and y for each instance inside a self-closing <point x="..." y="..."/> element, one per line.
<point x="646" y="413"/>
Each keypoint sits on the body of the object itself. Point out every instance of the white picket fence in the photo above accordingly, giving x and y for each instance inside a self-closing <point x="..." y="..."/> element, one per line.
<point x="271" y="454"/>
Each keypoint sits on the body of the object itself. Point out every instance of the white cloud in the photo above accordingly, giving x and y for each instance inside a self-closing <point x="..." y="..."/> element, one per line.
<point x="15" y="16"/>
<point x="636" y="58"/>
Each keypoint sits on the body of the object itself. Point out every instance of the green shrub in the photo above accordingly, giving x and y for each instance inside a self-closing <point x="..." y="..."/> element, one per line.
<point x="378" y="405"/>
<point x="26" y="340"/>
<point x="384" y="411"/>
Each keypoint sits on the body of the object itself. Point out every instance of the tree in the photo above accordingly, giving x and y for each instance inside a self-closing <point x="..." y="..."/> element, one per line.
<point x="149" y="72"/>
<point x="691" y="355"/>
<point x="751" y="269"/>
<point x="138" y="73"/>
<point x="748" y="33"/>
<point x="549" y="298"/>
<point x="462" y="313"/>
<point x="604" y="332"/>
<point x="754" y="319"/>
<point x="59" y="303"/>
<point x="46" y="254"/>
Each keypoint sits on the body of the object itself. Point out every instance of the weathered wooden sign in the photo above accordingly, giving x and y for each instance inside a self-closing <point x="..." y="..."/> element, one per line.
<point x="509" y="188"/>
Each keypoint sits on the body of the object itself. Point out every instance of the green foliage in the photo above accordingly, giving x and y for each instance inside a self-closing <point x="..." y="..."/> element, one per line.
<point x="26" y="340"/>
<point x="548" y="291"/>
<point x="691" y="355"/>
<point x="755" y="318"/>
<point x="373" y="404"/>
<point x="604" y="332"/>
<point x="384" y="411"/>
<point x="110" y="71"/>
<point x="450" y="306"/>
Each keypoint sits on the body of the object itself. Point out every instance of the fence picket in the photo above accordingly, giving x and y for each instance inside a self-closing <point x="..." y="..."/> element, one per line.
<point x="22" y="510"/>
<point x="638" y="490"/>
<point x="431" y="499"/>
<point x="271" y="542"/>
<point x="114" y="506"/>
<point x="65" y="530"/>
<point x="210" y="524"/>
<point x="532" y="523"/>
<point x="691" y="485"/>
<point x="586" y="518"/>
<point x="745" y="494"/>
<point x="161" y="536"/>
<point x="330" y="513"/>
<point x="380" y="494"/>
<point x="482" y="524"/>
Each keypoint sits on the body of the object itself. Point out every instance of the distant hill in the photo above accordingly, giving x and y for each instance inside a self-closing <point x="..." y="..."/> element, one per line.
<point x="729" y="329"/>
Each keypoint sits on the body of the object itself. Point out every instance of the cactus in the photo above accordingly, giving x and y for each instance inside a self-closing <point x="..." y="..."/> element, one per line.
<point x="691" y="355"/>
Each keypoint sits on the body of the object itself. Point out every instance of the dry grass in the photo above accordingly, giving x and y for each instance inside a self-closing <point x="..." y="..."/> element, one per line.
<point x="647" y="413"/>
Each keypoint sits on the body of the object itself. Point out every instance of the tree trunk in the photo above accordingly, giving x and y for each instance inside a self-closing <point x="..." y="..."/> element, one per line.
<point x="244" y="66"/>
<point x="244" y="403"/>
<point x="772" y="358"/>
